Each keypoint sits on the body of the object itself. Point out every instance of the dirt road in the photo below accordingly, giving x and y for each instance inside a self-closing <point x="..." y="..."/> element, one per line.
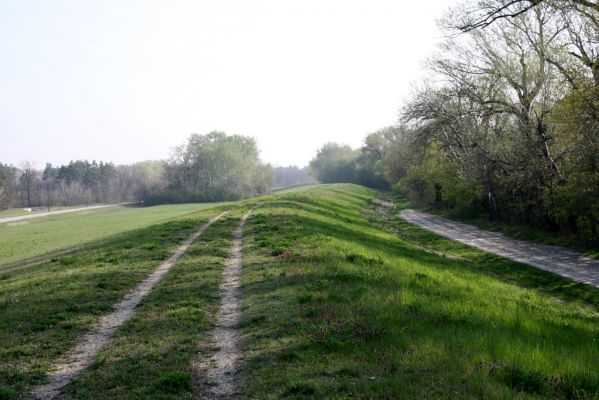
<point x="69" y="210"/>
<point x="564" y="262"/>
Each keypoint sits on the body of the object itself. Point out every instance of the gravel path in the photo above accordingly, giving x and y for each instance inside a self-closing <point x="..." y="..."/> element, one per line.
<point x="564" y="262"/>
<point x="69" y="210"/>
<point x="79" y="358"/>
<point x="219" y="368"/>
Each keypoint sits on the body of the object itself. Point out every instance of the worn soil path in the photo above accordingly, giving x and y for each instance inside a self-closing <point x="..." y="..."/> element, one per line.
<point x="568" y="263"/>
<point x="57" y="212"/>
<point x="218" y="368"/>
<point x="80" y="357"/>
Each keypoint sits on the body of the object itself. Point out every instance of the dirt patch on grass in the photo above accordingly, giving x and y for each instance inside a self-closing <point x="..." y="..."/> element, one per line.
<point x="81" y="356"/>
<point x="383" y="203"/>
<point x="216" y="370"/>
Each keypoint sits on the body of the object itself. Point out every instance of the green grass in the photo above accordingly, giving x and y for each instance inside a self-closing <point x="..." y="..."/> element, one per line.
<point x="152" y="354"/>
<point x="44" y="308"/>
<point x="34" y="237"/>
<point x="295" y="188"/>
<point x="337" y="307"/>
<point x="339" y="301"/>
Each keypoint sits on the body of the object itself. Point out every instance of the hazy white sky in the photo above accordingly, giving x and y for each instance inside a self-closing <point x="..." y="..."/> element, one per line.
<point x="127" y="80"/>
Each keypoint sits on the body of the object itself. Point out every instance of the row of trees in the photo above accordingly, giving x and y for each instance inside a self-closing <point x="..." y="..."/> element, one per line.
<point x="509" y="126"/>
<point x="79" y="182"/>
<point x="340" y="163"/>
<point x="292" y="175"/>
<point x="208" y="167"/>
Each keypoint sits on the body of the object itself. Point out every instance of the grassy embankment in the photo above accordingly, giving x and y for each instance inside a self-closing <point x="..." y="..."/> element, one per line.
<point x="337" y="307"/>
<point x="37" y="236"/>
<point x="45" y="307"/>
<point x="295" y="188"/>
<point x="340" y="301"/>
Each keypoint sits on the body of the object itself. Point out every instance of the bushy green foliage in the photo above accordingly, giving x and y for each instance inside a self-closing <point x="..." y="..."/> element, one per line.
<point x="214" y="167"/>
<point x="335" y="163"/>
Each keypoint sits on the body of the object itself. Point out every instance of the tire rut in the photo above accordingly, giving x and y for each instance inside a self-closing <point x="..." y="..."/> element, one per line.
<point x="85" y="351"/>
<point x="216" y="371"/>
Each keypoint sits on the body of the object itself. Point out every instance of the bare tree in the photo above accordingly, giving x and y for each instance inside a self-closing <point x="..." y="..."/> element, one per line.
<point x="28" y="180"/>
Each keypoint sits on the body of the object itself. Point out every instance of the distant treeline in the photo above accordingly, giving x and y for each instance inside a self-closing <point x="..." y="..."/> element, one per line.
<point x="509" y="126"/>
<point x="292" y="175"/>
<point x="79" y="182"/>
<point x="210" y="167"/>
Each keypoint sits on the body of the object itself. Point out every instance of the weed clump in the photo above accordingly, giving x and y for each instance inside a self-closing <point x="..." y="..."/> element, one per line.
<point x="576" y="387"/>
<point x="300" y="388"/>
<point x="174" y="383"/>
<point x="64" y="261"/>
<point x="521" y="379"/>
<point x="289" y="355"/>
<point x="7" y="393"/>
<point x="572" y="387"/>
<point x="359" y="259"/>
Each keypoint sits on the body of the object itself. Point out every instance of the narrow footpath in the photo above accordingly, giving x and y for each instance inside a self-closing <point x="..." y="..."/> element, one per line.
<point x="567" y="263"/>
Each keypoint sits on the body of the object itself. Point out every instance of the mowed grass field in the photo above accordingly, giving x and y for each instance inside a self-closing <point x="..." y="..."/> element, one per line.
<point x="38" y="236"/>
<point x="340" y="300"/>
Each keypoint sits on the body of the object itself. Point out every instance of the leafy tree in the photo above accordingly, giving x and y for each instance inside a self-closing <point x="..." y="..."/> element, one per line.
<point x="214" y="167"/>
<point x="292" y="175"/>
<point x="334" y="163"/>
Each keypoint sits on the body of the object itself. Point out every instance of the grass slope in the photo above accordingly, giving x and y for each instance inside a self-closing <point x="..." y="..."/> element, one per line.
<point x="340" y="301"/>
<point x="152" y="355"/>
<point x="295" y="188"/>
<point x="337" y="307"/>
<point x="29" y="238"/>
<point x="44" y="308"/>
